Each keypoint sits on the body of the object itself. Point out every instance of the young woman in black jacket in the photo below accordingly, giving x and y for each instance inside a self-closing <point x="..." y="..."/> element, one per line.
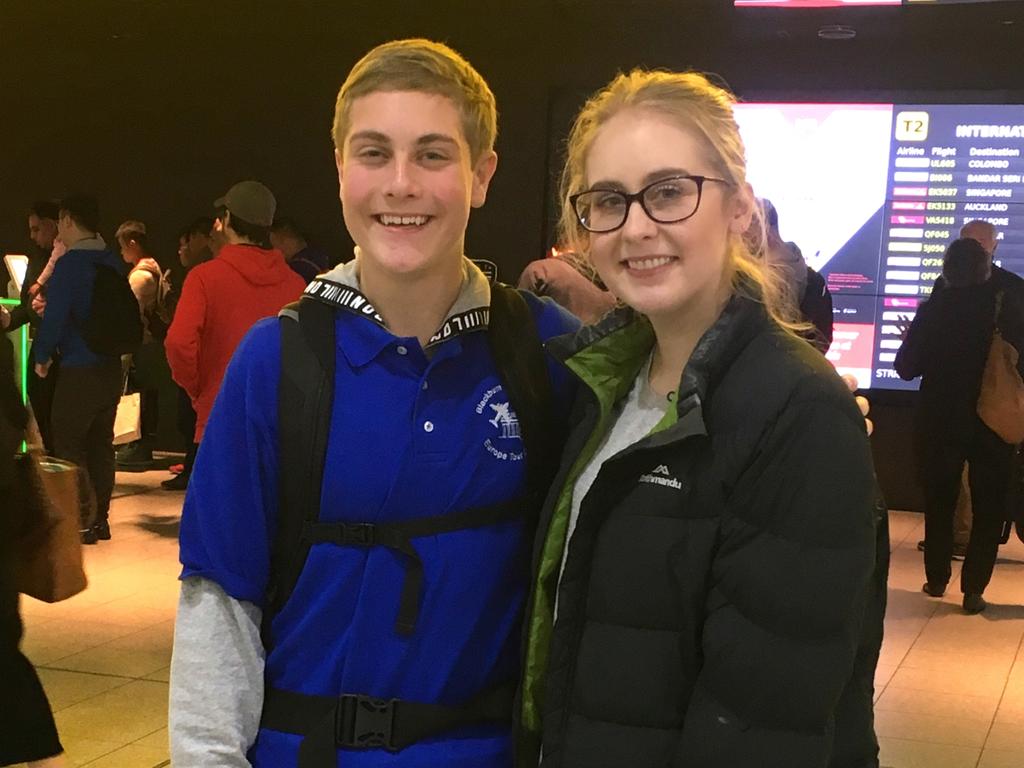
<point x="947" y="345"/>
<point x="708" y="583"/>
<point x="27" y="730"/>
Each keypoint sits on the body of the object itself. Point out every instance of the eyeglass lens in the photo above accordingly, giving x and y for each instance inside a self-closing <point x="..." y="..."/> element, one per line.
<point x="664" y="201"/>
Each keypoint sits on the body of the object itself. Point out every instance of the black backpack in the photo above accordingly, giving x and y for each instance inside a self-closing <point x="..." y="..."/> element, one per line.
<point x="114" y="324"/>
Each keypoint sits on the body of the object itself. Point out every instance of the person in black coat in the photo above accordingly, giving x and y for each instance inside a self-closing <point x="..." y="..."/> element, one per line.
<point x="711" y="562"/>
<point x="27" y="730"/>
<point x="42" y="227"/>
<point x="804" y="286"/>
<point x="947" y="345"/>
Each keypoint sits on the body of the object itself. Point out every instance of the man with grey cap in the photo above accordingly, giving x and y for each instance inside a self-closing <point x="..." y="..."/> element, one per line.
<point x="222" y="298"/>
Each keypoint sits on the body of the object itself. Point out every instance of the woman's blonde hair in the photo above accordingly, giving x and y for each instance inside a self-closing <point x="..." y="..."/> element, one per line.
<point x="428" y="67"/>
<point x="706" y="110"/>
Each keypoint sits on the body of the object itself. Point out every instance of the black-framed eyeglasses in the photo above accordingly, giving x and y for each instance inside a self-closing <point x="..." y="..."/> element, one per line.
<point x="666" y="201"/>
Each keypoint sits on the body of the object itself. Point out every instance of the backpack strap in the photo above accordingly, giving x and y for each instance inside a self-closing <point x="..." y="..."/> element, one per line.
<point x="305" y="400"/>
<point x="521" y="361"/>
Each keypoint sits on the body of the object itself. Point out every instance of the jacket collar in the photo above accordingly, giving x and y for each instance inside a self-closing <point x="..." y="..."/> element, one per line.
<point x="95" y="243"/>
<point x="608" y="355"/>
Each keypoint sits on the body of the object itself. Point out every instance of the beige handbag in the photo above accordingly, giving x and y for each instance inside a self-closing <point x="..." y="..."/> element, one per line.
<point x="52" y="498"/>
<point x="1001" y="402"/>
<point x="128" y="419"/>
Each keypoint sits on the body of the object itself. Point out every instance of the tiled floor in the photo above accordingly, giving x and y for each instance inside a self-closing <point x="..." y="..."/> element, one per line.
<point x="950" y="687"/>
<point x="104" y="655"/>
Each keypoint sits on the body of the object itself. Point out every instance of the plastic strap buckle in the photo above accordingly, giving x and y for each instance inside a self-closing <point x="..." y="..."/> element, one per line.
<point x="358" y="534"/>
<point x="364" y="722"/>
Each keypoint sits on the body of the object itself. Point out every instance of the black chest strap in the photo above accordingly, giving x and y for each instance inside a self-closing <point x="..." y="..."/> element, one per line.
<point x="398" y="537"/>
<point x="353" y="721"/>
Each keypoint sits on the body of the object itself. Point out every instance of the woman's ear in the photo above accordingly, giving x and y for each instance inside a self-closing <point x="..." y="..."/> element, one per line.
<point x="741" y="211"/>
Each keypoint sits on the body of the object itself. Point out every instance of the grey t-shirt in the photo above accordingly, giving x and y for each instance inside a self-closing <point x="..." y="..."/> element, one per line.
<point x="216" y="694"/>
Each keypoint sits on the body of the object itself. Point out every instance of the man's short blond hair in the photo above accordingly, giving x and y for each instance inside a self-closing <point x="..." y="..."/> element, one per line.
<point x="131" y="230"/>
<point x="428" y="67"/>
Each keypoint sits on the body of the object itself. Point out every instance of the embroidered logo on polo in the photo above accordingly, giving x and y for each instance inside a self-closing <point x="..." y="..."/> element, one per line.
<point x="507" y="443"/>
<point x="661" y="475"/>
<point x="351" y="300"/>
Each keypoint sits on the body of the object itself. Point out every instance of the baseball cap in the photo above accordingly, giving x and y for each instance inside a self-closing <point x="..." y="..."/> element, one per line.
<point x="251" y="201"/>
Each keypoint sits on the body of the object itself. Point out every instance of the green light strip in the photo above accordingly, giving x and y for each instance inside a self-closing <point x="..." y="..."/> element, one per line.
<point x="23" y="344"/>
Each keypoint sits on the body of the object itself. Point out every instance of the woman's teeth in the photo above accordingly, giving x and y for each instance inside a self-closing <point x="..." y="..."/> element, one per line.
<point x="645" y="264"/>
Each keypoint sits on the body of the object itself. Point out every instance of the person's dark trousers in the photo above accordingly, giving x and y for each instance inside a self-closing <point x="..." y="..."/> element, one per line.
<point x="27" y="730"/>
<point x="187" y="428"/>
<point x="40" y="394"/>
<point x="988" y="477"/>
<point x="84" y="406"/>
<point x="149" y="366"/>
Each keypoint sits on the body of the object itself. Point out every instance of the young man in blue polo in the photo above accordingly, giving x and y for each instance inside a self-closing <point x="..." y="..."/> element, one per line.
<point x="376" y="621"/>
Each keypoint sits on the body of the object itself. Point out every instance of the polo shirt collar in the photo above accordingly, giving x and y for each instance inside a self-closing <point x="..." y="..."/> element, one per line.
<point x="366" y="334"/>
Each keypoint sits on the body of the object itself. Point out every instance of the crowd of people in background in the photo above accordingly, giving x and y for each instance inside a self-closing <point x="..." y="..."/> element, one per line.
<point x="948" y="345"/>
<point x="158" y="288"/>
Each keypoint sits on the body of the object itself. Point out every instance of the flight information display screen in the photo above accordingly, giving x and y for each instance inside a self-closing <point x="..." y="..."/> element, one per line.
<point x="836" y="3"/>
<point x="813" y="3"/>
<point x="873" y="193"/>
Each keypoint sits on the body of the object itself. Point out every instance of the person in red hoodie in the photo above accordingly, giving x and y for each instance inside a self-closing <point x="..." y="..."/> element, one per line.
<point x="223" y="298"/>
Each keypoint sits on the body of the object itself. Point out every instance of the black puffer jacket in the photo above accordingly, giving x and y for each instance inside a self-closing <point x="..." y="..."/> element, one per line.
<point x="722" y="599"/>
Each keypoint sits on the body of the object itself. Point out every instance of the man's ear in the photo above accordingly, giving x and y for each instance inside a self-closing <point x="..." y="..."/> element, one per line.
<point x="483" y="172"/>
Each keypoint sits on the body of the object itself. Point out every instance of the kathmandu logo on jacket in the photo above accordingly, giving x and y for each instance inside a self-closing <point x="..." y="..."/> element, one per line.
<point x="661" y="476"/>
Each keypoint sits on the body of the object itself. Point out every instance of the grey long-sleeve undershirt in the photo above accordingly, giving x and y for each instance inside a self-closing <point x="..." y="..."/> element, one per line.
<point x="216" y="694"/>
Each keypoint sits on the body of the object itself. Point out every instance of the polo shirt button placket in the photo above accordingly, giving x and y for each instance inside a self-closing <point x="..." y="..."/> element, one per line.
<point x="428" y="426"/>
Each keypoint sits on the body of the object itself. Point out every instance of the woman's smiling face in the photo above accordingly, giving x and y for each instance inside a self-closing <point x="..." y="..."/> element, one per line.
<point x="661" y="269"/>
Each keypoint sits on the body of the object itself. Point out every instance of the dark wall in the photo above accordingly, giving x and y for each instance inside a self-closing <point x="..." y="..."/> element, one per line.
<point x="158" y="106"/>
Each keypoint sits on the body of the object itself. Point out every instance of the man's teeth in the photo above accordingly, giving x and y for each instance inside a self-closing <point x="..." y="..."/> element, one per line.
<point x="642" y="264"/>
<point x="402" y="221"/>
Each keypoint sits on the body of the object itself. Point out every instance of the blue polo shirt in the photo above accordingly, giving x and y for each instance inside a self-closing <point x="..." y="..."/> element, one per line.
<point x="411" y="436"/>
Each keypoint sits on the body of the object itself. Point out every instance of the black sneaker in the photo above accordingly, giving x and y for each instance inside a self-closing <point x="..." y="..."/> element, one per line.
<point x="87" y="535"/>
<point x="176" y="483"/>
<point x="934" y="590"/>
<point x="102" y="530"/>
<point x="974" y="603"/>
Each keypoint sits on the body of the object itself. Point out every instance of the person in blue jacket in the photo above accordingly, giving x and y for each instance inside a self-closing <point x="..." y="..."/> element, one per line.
<point x="421" y="429"/>
<point x="89" y="386"/>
